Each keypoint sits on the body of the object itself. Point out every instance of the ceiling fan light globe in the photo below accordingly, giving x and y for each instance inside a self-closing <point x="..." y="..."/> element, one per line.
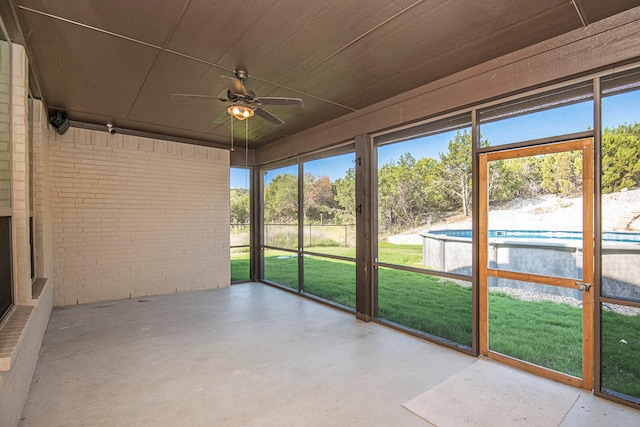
<point x="240" y="112"/>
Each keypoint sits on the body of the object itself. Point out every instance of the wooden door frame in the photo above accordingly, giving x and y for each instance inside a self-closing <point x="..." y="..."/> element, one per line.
<point x="586" y="146"/>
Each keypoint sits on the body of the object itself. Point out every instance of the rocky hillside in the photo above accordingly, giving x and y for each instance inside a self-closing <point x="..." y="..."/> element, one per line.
<point x="620" y="212"/>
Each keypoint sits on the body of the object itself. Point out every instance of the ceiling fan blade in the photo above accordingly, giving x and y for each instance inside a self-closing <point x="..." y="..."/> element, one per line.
<point x="236" y="86"/>
<point x="269" y="100"/>
<point x="268" y="116"/>
<point x="196" y="96"/>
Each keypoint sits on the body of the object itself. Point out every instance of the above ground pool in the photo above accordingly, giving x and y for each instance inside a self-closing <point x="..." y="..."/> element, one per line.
<point x="607" y="236"/>
<point x="544" y="252"/>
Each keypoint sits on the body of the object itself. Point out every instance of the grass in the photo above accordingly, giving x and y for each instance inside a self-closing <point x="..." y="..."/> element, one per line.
<point x="621" y="353"/>
<point x="425" y="303"/>
<point x="330" y="279"/>
<point x="540" y="332"/>
<point x="240" y="264"/>
<point x="281" y="267"/>
<point x="407" y="255"/>
<point x="334" y="250"/>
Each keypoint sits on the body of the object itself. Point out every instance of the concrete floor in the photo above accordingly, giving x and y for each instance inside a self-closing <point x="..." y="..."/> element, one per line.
<point x="247" y="355"/>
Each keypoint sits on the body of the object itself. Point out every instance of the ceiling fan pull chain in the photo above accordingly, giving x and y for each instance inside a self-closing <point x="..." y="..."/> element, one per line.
<point x="246" y="143"/>
<point x="231" y="121"/>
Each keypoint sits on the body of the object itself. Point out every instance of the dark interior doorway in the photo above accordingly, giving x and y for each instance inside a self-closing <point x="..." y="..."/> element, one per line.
<point x="6" y="292"/>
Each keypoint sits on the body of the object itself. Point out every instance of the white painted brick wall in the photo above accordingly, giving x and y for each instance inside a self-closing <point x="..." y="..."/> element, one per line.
<point x="135" y="216"/>
<point x="15" y="383"/>
<point x="20" y="175"/>
<point x="42" y="193"/>
<point x="5" y="131"/>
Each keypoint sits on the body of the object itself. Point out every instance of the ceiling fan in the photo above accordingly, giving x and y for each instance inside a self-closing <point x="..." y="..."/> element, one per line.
<point x="244" y="102"/>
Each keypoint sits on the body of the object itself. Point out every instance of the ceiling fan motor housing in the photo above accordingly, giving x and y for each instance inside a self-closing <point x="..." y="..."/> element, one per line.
<point x="241" y="74"/>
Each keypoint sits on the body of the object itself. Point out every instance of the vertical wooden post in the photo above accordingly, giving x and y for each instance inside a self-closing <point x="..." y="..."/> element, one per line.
<point x="256" y="210"/>
<point x="301" y="226"/>
<point x="587" y="264"/>
<point x="365" y="295"/>
<point x="475" y="230"/>
<point x="597" y="236"/>
<point x="483" y="243"/>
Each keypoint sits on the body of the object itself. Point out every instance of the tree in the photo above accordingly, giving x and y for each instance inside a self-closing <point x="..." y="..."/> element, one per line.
<point x="239" y="206"/>
<point x="456" y="170"/>
<point x="562" y="173"/>
<point x="432" y="198"/>
<point x="281" y="199"/>
<point x="345" y="196"/>
<point x="319" y="198"/>
<point x="407" y="195"/>
<point x="512" y="178"/>
<point x="620" y="158"/>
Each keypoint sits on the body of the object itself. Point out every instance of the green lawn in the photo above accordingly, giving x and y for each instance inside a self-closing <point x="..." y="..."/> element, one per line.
<point x="281" y="267"/>
<point x="330" y="279"/>
<point x="407" y="255"/>
<point x="425" y="303"/>
<point x="540" y="332"/>
<point x="240" y="264"/>
<point x="621" y="353"/>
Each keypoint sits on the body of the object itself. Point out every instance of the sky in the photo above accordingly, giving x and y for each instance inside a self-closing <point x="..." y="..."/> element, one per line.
<point x="619" y="109"/>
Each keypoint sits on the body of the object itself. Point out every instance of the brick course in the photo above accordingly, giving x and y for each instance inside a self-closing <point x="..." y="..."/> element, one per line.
<point x="20" y="176"/>
<point x="5" y="125"/>
<point x="134" y="216"/>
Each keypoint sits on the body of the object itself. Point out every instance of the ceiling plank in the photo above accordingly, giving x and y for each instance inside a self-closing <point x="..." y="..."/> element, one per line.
<point x="595" y="10"/>
<point x="610" y="41"/>
<point x="276" y="40"/>
<point x="85" y="70"/>
<point x="434" y="48"/>
<point x="117" y="16"/>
